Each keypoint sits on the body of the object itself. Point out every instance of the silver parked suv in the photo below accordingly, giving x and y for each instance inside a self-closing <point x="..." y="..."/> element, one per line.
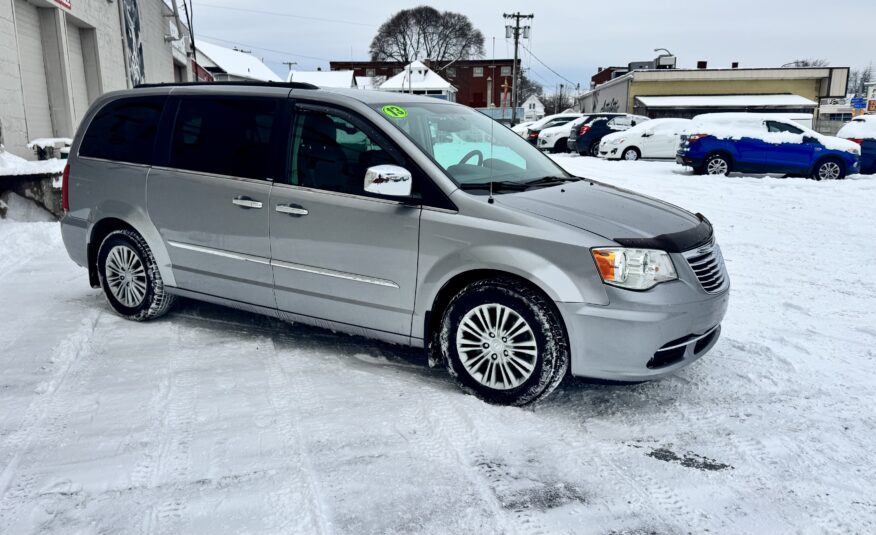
<point x="396" y="217"/>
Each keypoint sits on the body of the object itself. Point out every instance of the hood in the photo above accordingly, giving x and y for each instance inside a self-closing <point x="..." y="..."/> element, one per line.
<point x="622" y="216"/>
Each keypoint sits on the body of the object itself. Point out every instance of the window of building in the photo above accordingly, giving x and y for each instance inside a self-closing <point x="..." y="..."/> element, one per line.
<point x="124" y="130"/>
<point x="225" y="136"/>
<point x="478" y="72"/>
<point x="506" y="71"/>
<point x="370" y="72"/>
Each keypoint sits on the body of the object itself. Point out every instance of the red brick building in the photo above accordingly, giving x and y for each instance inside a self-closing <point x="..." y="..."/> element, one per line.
<point x="475" y="79"/>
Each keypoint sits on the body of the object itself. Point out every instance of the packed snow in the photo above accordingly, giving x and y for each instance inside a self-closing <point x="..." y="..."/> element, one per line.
<point x="218" y="421"/>
<point x="53" y="142"/>
<point x="12" y="165"/>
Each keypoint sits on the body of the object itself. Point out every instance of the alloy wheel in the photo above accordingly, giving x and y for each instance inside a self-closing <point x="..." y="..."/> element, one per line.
<point x="631" y="155"/>
<point x="126" y="276"/>
<point x="496" y="346"/>
<point x="829" y="171"/>
<point x="717" y="166"/>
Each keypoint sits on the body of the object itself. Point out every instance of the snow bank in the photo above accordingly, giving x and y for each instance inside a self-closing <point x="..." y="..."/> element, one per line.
<point x="14" y="207"/>
<point x="12" y="165"/>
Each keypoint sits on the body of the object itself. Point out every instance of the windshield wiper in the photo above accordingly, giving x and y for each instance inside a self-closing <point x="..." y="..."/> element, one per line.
<point x="498" y="185"/>
<point x="551" y="180"/>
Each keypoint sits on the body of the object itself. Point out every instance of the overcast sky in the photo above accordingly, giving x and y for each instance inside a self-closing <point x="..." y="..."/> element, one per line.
<point x="573" y="40"/>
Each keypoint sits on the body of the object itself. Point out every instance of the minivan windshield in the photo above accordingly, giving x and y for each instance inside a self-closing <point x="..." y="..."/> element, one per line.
<point x="472" y="148"/>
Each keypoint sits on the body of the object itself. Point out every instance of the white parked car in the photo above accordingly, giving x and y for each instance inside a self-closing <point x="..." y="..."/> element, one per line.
<point x="657" y="138"/>
<point x="520" y="129"/>
<point x="554" y="139"/>
<point x="548" y="121"/>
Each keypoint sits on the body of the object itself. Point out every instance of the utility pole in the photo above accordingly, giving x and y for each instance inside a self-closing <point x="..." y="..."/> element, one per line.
<point x="515" y="31"/>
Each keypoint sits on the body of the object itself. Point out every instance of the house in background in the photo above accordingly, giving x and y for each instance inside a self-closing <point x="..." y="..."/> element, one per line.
<point x="230" y="65"/>
<point x="533" y="109"/>
<point x="419" y="79"/>
<point x="320" y="78"/>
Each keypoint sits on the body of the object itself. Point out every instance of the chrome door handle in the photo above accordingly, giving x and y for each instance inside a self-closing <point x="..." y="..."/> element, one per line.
<point x="292" y="209"/>
<point x="246" y="202"/>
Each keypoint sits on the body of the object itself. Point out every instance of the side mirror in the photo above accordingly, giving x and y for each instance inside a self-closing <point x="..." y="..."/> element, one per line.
<point x="809" y="139"/>
<point x="389" y="180"/>
<point x="647" y="134"/>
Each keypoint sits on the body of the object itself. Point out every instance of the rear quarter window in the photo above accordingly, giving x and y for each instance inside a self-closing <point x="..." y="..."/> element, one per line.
<point x="124" y="130"/>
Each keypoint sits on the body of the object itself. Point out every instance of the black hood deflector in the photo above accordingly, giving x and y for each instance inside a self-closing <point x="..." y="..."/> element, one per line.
<point x="677" y="242"/>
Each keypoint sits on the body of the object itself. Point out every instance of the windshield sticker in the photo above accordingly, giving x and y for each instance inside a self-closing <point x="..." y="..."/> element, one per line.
<point x="396" y="112"/>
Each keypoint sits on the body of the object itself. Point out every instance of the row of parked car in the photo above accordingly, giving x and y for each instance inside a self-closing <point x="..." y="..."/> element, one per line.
<point x="714" y="143"/>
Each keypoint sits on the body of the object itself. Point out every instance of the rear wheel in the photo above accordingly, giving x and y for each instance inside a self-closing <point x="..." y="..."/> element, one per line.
<point x="717" y="164"/>
<point x="129" y="277"/>
<point x="594" y="149"/>
<point x="631" y="154"/>
<point x="504" y="342"/>
<point x="829" y="170"/>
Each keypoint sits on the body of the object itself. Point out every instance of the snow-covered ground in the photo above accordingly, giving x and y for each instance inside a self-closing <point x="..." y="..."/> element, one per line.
<point x="215" y="421"/>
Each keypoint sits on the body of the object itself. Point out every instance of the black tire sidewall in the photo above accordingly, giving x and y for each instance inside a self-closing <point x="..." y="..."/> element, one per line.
<point x="534" y="314"/>
<point x="594" y="149"/>
<point x="111" y="241"/>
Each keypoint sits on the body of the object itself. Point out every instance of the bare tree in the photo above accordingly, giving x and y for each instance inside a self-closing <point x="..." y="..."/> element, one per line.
<point x="810" y="62"/>
<point x="557" y="102"/>
<point x="526" y="88"/>
<point x="424" y="32"/>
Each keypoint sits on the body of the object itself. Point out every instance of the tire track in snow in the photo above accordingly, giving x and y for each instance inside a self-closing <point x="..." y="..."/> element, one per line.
<point x="65" y="354"/>
<point x="298" y="507"/>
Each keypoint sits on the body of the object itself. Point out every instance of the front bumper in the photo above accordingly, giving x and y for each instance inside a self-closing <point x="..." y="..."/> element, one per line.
<point x="643" y="335"/>
<point x="609" y="152"/>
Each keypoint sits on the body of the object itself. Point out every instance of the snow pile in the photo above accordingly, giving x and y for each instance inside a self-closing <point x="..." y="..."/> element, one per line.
<point x="46" y="142"/>
<point x="14" y="207"/>
<point x="12" y="165"/>
<point x="863" y="127"/>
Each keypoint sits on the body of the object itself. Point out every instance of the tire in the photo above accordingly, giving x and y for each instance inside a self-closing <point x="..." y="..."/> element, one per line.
<point x="829" y="169"/>
<point x="131" y="266"/>
<point x="631" y="154"/>
<point x="560" y="146"/>
<point x="717" y="164"/>
<point x="594" y="149"/>
<point x="502" y="374"/>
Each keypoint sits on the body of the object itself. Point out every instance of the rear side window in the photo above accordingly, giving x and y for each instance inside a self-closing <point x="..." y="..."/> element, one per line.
<point x="124" y="130"/>
<point x="225" y="136"/>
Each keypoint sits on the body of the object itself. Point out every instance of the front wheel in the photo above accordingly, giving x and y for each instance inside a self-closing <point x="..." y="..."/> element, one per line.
<point x="631" y="154"/>
<point x="828" y="170"/>
<point x="129" y="277"/>
<point x="504" y="342"/>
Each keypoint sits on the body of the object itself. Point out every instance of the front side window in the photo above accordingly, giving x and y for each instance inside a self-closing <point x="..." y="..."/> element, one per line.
<point x="226" y="136"/>
<point x="471" y="148"/>
<point x="331" y="153"/>
<point x="124" y="130"/>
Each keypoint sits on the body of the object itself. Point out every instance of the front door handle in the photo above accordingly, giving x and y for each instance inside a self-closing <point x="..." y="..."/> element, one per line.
<point x="292" y="209"/>
<point x="246" y="202"/>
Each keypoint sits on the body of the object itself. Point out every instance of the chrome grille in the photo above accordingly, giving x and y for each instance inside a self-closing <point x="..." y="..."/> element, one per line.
<point x="707" y="264"/>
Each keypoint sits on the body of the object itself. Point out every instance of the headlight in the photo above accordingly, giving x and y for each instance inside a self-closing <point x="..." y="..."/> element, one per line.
<point x="634" y="269"/>
<point x="617" y="141"/>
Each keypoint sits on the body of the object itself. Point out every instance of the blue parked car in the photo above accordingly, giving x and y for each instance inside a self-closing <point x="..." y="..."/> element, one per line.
<point x="720" y="143"/>
<point x="862" y="130"/>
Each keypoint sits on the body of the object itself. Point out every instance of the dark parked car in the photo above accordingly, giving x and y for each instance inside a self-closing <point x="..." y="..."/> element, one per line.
<point x="585" y="141"/>
<point x="862" y="130"/>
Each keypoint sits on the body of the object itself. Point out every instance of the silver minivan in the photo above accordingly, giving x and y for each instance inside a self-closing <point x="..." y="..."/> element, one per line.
<point x="403" y="218"/>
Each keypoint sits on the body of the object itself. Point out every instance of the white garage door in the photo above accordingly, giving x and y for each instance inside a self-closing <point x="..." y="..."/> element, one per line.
<point x="33" y="72"/>
<point x="77" y="73"/>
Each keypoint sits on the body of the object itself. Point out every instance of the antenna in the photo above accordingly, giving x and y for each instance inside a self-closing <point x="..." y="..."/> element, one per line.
<point x="492" y="124"/>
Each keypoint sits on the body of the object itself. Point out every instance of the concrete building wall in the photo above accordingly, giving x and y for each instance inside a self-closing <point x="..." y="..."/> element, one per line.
<point x="81" y="55"/>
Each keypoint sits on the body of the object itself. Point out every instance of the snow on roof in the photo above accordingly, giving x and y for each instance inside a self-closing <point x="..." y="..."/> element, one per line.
<point x="730" y="101"/>
<point x="238" y="63"/>
<point x="344" y="79"/>
<point x="416" y="76"/>
<point x="369" y="82"/>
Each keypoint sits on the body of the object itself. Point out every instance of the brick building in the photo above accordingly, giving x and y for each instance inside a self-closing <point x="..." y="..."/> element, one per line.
<point x="58" y="56"/>
<point x="479" y="82"/>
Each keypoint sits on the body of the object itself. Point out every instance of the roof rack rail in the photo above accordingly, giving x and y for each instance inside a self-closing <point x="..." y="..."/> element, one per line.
<point x="285" y="85"/>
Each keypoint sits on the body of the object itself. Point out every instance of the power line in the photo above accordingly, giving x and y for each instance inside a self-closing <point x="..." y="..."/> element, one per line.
<point x="546" y="66"/>
<point x="263" y="48"/>
<point x="278" y="14"/>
